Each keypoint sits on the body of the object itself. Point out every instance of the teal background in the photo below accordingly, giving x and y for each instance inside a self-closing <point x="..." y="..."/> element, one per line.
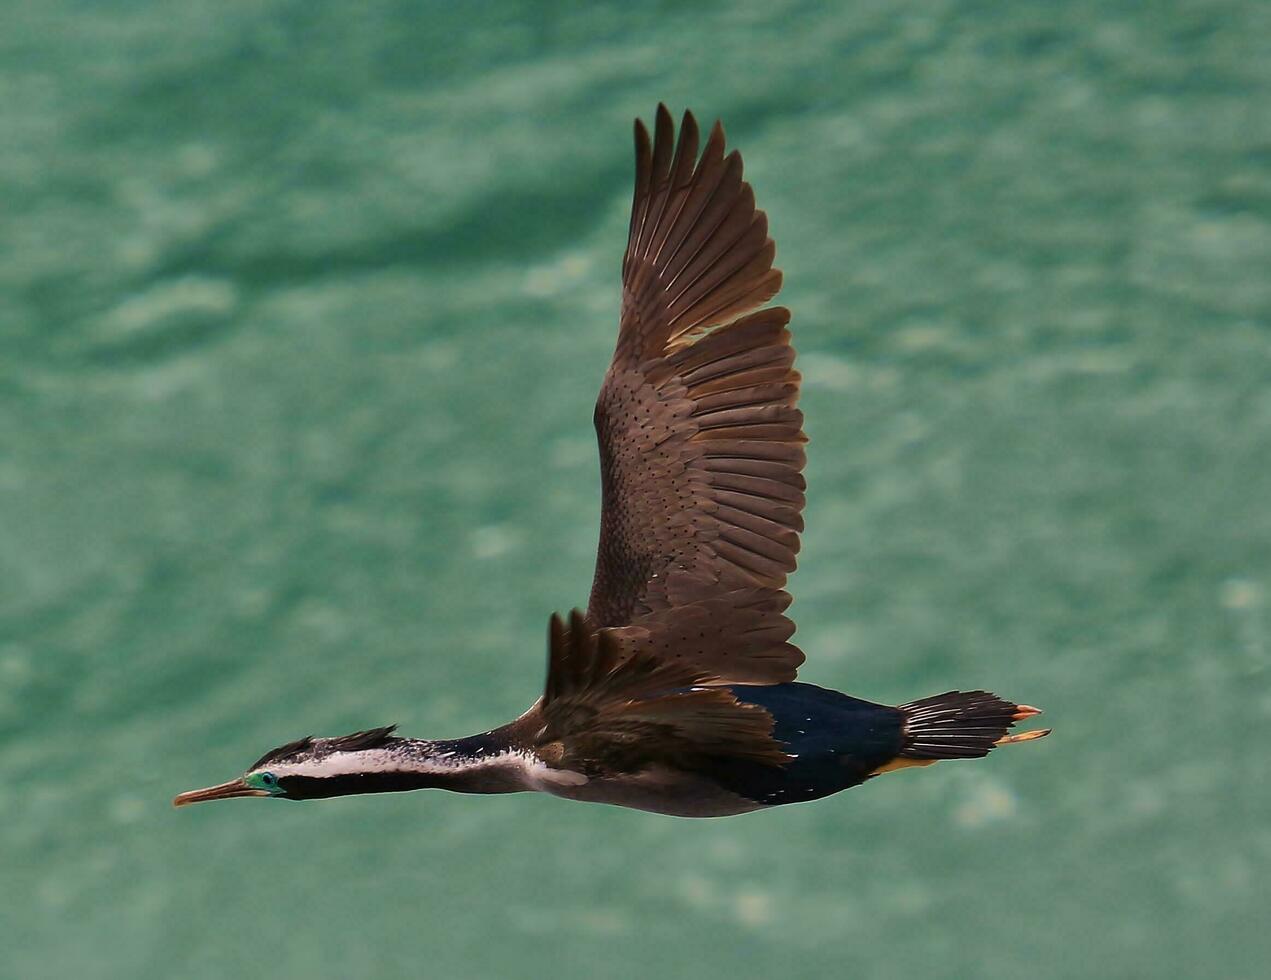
<point x="303" y="307"/>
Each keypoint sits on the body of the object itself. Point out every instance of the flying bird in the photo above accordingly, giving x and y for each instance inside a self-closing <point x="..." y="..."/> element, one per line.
<point x="675" y="691"/>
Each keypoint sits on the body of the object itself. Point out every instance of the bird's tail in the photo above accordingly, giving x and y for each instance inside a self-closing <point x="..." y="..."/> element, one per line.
<point x="961" y="725"/>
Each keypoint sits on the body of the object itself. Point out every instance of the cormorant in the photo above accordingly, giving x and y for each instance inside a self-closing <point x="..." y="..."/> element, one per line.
<point x="675" y="691"/>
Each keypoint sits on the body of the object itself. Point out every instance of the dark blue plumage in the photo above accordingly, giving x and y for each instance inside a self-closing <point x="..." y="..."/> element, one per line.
<point x="837" y="742"/>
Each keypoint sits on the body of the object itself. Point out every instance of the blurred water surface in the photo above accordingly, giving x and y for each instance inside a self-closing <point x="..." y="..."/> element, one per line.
<point x="303" y="307"/>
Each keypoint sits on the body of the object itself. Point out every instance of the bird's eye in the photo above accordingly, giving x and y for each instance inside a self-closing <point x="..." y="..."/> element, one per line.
<point x="268" y="778"/>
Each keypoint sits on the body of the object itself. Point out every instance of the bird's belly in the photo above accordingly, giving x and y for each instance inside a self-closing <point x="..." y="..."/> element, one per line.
<point x="659" y="790"/>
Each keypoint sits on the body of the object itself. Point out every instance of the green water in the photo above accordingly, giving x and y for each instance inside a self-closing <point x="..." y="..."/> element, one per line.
<point x="303" y="307"/>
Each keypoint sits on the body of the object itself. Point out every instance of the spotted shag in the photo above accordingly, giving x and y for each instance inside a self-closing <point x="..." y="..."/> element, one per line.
<point x="675" y="691"/>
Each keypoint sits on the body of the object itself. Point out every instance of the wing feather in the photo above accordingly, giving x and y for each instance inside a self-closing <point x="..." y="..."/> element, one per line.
<point x="701" y="439"/>
<point x="615" y="703"/>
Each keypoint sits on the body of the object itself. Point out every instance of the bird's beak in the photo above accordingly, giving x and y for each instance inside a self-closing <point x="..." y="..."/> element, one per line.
<point x="225" y="791"/>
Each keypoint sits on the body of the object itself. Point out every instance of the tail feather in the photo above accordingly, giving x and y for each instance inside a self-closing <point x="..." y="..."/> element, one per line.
<point x="961" y="725"/>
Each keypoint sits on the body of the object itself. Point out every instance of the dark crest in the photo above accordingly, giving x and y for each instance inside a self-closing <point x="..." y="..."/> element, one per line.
<point x="282" y="752"/>
<point x="372" y="738"/>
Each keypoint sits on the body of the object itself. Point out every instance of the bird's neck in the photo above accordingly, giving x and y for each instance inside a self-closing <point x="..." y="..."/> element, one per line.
<point x="492" y="762"/>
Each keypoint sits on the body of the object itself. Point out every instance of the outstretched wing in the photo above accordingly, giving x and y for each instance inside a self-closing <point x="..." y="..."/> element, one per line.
<point x="613" y="707"/>
<point x="701" y="445"/>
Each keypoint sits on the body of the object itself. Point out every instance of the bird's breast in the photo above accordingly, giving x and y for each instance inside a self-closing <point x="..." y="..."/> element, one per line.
<point x="658" y="789"/>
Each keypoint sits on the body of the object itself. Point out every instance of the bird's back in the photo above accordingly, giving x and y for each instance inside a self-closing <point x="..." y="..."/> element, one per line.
<point x="837" y="741"/>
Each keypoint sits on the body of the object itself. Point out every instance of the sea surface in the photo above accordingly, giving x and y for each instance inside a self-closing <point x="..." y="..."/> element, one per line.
<point x="303" y="309"/>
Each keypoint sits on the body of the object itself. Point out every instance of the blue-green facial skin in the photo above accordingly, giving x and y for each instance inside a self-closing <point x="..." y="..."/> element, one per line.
<point x="264" y="780"/>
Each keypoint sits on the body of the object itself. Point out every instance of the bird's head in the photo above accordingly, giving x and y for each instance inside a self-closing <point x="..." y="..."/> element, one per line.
<point x="310" y="768"/>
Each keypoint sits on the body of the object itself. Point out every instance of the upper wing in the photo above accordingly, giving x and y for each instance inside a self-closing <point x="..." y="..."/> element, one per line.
<point x="701" y="445"/>
<point x="610" y="707"/>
